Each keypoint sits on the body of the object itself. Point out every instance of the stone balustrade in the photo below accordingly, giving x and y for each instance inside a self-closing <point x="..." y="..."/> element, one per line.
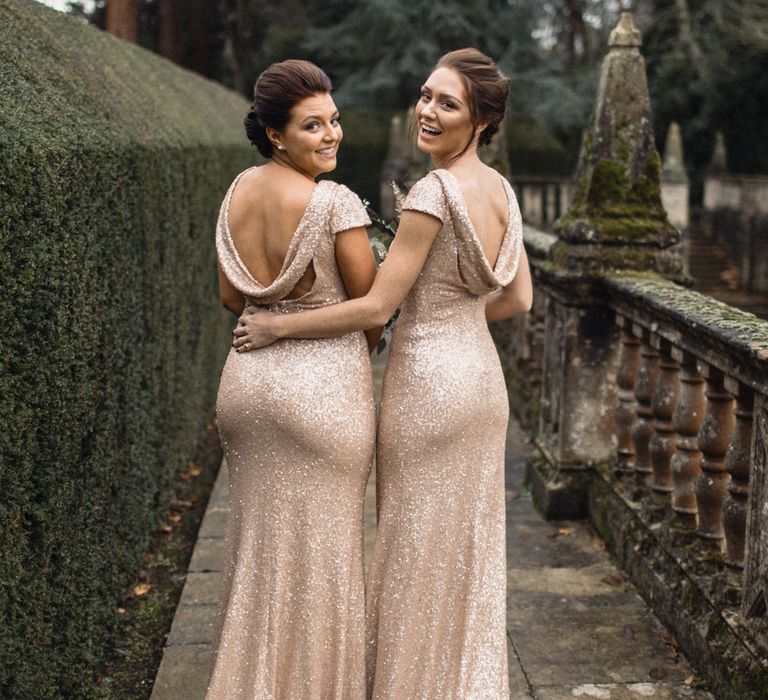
<point x="647" y="402"/>
<point x="684" y="381"/>
<point x="542" y="199"/>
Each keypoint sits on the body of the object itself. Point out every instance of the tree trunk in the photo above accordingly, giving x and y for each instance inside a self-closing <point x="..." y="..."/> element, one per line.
<point x="578" y="47"/>
<point x="199" y="55"/>
<point x="123" y="19"/>
<point x="237" y="27"/>
<point x="688" y="40"/>
<point x="166" y="40"/>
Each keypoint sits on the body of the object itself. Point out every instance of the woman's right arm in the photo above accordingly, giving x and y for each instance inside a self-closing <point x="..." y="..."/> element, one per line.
<point x="516" y="298"/>
<point x="398" y="273"/>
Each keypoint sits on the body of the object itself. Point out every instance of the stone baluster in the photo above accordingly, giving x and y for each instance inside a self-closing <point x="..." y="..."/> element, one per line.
<point x="662" y="443"/>
<point x="537" y="315"/>
<point x="629" y="362"/>
<point x="645" y="387"/>
<point x="686" y="421"/>
<point x="738" y="461"/>
<point x="714" y="438"/>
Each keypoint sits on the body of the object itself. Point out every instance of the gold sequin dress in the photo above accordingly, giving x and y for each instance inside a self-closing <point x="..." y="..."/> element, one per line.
<point x="436" y="589"/>
<point x="297" y="423"/>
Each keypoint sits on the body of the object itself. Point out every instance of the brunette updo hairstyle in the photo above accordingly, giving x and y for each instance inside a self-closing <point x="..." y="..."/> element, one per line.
<point x="277" y="90"/>
<point x="487" y="90"/>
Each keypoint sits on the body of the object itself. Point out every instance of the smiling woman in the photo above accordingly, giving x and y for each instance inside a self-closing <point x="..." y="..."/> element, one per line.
<point x="297" y="419"/>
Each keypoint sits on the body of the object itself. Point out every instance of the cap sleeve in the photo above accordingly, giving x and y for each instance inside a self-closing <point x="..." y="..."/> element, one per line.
<point x="348" y="211"/>
<point x="428" y="197"/>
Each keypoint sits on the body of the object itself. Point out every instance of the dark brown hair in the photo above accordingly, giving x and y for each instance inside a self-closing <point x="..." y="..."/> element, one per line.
<point x="275" y="93"/>
<point x="487" y="90"/>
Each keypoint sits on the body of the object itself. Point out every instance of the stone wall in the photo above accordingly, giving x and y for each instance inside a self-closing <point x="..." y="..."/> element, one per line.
<point x="735" y="214"/>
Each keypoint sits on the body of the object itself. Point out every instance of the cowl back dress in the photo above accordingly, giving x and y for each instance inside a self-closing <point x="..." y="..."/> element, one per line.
<point x="436" y="627"/>
<point x="297" y="424"/>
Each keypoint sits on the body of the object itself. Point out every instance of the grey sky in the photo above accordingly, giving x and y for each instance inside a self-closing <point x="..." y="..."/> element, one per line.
<point x="62" y="4"/>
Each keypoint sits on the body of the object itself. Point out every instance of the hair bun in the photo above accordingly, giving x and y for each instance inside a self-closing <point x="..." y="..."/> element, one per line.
<point x="257" y="134"/>
<point x="488" y="133"/>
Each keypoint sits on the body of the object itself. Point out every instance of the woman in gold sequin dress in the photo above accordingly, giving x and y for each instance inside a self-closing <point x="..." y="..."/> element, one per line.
<point x="437" y="584"/>
<point x="296" y="419"/>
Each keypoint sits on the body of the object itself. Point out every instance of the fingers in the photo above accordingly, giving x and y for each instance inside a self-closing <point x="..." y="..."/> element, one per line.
<point x="239" y="331"/>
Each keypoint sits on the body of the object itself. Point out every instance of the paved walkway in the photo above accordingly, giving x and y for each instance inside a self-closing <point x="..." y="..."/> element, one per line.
<point x="576" y="628"/>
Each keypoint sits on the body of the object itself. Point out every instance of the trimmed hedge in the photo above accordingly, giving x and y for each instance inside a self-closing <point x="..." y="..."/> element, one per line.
<point x="113" y="163"/>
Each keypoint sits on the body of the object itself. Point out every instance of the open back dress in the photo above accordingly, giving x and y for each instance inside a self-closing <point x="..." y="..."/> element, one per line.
<point x="437" y="584"/>
<point x="297" y="423"/>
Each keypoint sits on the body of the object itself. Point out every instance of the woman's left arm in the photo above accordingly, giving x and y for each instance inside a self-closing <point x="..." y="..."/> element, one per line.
<point x="516" y="298"/>
<point x="357" y="268"/>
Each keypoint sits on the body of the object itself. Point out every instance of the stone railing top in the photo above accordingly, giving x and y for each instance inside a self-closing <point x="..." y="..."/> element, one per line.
<point x="537" y="242"/>
<point x="759" y="180"/>
<point x="733" y="340"/>
<point x="523" y="179"/>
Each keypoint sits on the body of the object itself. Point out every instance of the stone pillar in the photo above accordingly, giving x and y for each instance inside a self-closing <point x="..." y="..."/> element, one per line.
<point x="718" y="166"/>
<point x="395" y="166"/>
<point x="615" y="221"/>
<point x="674" y="180"/>
<point x="533" y="204"/>
<point x="755" y="591"/>
<point x="616" y="218"/>
<point x="578" y="397"/>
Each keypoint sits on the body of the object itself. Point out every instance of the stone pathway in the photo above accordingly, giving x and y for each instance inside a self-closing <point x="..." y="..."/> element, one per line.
<point x="576" y="628"/>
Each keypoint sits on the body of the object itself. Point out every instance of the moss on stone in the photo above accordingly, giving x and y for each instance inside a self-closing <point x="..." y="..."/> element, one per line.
<point x="537" y="242"/>
<point x="607" y="207"/>
<point x="608" y="186"/>
<point x="740" y="329"/>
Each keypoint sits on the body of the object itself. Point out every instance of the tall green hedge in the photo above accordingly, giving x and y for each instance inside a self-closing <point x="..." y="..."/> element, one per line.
<point x="113" y="163"/>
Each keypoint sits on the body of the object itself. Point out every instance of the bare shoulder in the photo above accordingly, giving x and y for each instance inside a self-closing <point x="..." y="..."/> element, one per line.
<point x="261" y="190"/>
<point x="479" y="178"/>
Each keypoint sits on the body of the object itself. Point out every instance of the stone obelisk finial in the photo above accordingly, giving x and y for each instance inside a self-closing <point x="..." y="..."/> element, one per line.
<point x="675" y="189"/>
<point x="616" y="219"/>
<point x="673" y="169"/>
<point x="719" y="163"/>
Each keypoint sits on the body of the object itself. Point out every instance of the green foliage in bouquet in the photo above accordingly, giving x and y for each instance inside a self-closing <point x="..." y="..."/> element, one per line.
<point x="381" y="237"/>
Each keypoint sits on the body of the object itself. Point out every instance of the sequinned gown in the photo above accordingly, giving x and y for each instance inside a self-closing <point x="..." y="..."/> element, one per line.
<point x="297" y="423"/>
<point x="437" y="584"/>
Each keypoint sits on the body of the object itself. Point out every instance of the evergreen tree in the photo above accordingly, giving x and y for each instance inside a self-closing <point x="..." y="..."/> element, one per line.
<point x="381" y="50"/>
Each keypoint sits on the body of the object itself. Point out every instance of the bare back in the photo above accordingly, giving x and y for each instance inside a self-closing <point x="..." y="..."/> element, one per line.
<point x="488" y="207"/>
<point x="264" y="213"/>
